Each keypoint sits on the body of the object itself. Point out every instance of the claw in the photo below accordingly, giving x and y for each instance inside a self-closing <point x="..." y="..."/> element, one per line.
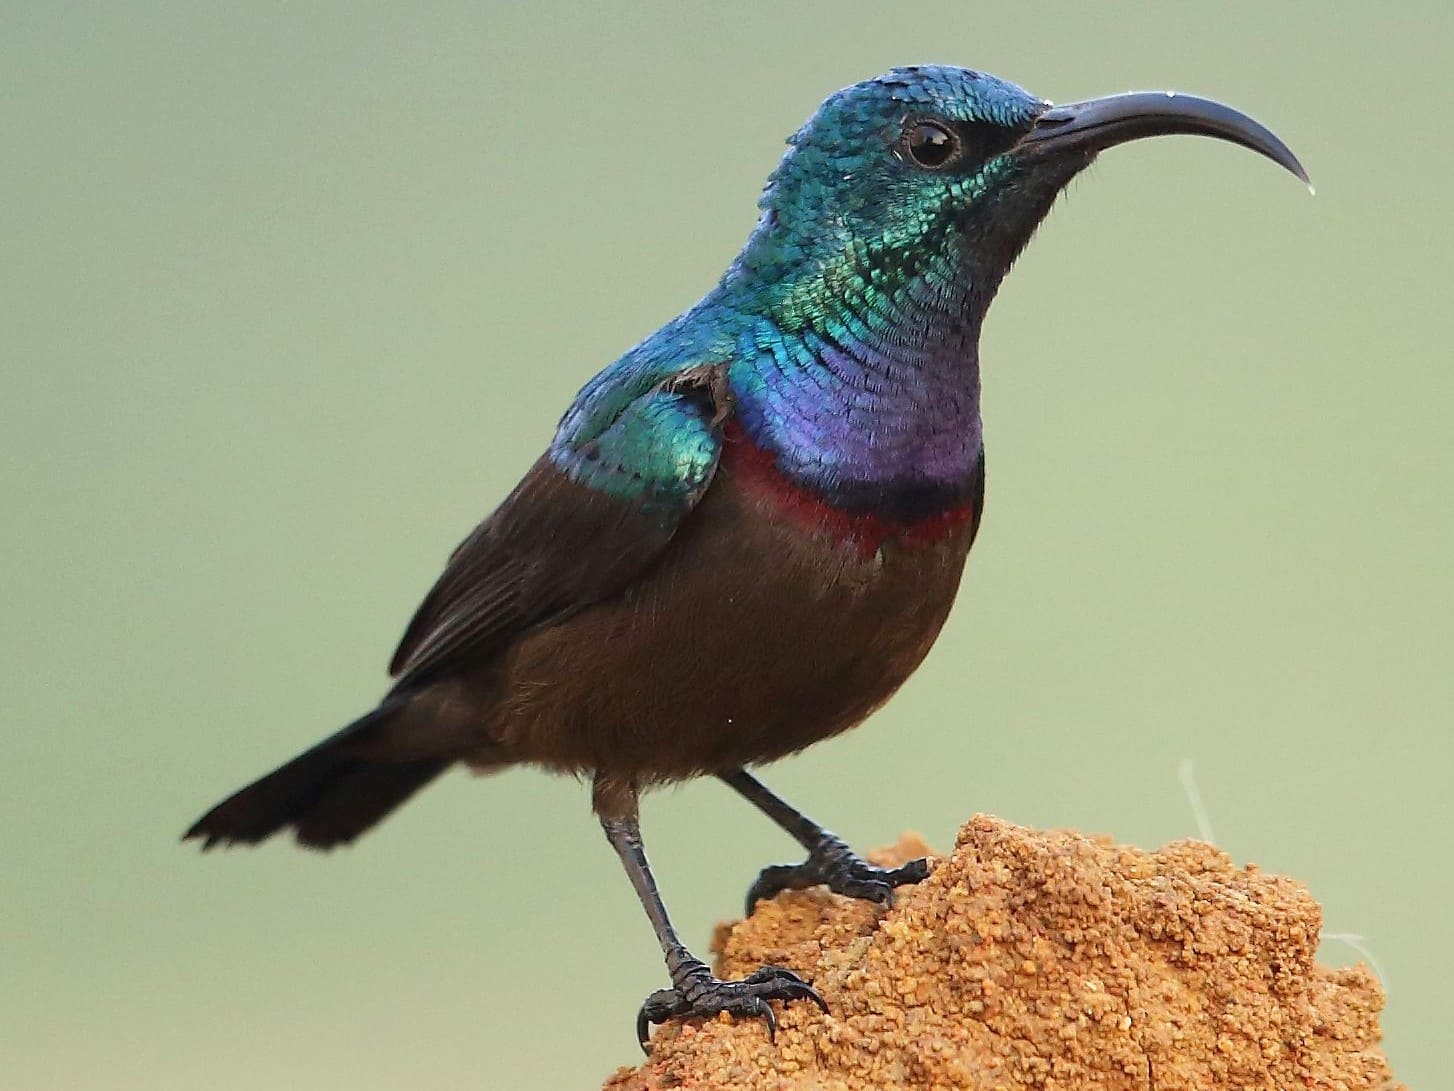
<point x="774" y="879"/>
<point x="793" y="988"/>
<point x="803" y="991"/>
<point x="765" y="1010"/>
<point x="643" y="1030"/>
<point x="835" y="866"/>
<point x="697" y="993"/>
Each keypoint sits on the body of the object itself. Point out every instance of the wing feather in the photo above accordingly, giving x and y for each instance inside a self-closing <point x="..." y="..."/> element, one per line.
<point x="590" y="516"/>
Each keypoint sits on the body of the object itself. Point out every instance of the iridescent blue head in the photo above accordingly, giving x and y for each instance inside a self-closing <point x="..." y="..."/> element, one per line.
<point x="884" y="169"/>
<point x="885" y="232"/>
<point x="936" y="166"/>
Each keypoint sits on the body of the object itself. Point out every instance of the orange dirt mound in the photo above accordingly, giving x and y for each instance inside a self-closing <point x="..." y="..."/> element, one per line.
<point x="1052" y="961"/>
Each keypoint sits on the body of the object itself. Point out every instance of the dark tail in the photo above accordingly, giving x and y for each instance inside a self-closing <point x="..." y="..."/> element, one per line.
<point x="328" y="794"/>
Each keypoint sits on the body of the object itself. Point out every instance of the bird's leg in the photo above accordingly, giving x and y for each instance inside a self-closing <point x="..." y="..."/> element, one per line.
<point x="830" y="861"/>
<point x="694" y="990"/>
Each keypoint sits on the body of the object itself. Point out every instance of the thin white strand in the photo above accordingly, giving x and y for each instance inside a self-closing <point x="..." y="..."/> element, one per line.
<point x="1357" y="942"/>
<point x="1186" y="773"/>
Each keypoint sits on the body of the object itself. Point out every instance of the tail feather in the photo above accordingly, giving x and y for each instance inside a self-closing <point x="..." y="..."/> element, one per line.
<point x="328" y="794"/>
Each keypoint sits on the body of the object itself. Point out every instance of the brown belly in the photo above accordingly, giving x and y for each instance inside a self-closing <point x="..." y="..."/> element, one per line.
<point x="752" y="638"/>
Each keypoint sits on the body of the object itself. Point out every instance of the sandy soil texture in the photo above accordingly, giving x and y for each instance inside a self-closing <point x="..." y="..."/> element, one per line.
<point x="1045" y="960"/>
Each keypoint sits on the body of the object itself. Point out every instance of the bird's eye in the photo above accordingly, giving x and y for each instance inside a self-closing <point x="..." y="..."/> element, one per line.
<point x="932" y="145"/>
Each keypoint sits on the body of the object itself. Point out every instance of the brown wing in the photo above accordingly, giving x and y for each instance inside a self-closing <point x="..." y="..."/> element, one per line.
<point x="569" y="537"/>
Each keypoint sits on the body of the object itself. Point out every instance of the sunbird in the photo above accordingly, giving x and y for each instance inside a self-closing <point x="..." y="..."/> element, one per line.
<point x="747" y="531"/>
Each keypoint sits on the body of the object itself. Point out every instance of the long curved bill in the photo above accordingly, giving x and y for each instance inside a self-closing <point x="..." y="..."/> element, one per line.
<point x="1101" y="123"/>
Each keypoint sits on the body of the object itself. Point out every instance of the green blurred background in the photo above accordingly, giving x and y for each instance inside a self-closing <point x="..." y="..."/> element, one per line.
<point x="294" y="292"/>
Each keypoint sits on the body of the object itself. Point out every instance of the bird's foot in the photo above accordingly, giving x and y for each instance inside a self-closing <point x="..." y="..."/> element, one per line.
<point x="695" y="992"/>
<point x="833" y="864"/>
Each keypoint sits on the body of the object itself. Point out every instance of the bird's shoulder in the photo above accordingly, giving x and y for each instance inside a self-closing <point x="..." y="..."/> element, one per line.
<point x="648" y="428"/>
